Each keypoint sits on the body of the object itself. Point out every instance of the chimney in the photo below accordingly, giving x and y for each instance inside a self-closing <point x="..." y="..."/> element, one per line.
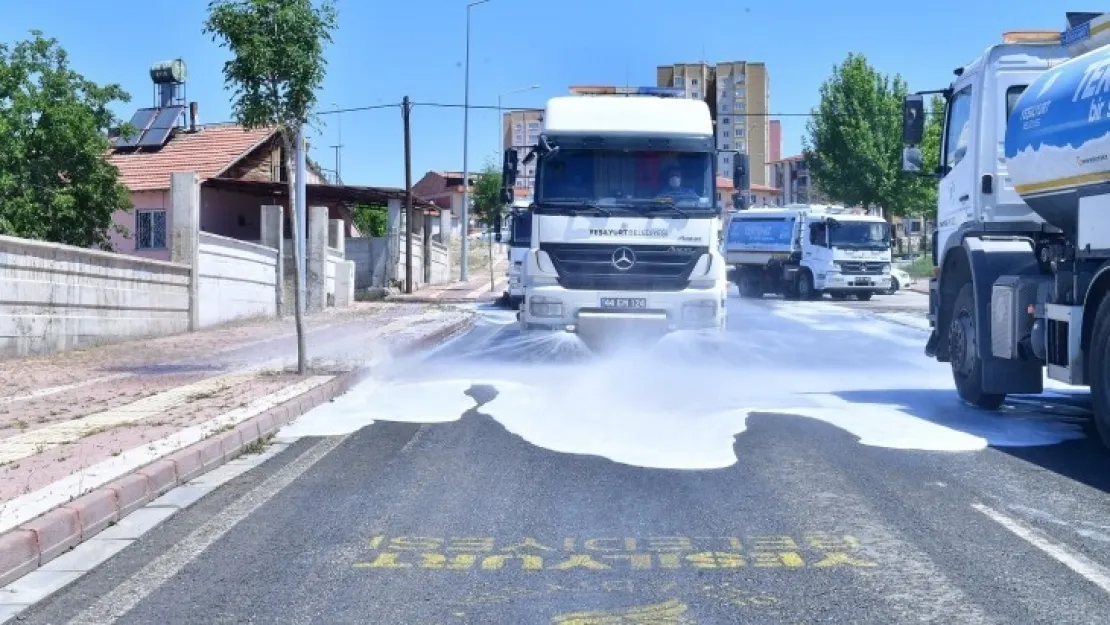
<point x="193" y="116"/>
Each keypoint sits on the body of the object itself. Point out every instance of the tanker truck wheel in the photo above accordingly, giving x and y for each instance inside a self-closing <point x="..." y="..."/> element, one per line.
<point x="967" y="369"/>
<point x="1099" y="370"/>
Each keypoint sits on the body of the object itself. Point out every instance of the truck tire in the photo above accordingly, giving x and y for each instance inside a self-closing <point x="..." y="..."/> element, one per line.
<point x="1099" y="370"/>
<point x="748" y="284"/>
<point x="967" y="369"/>
<point x="804" y="286"/>
<point x="864" y="296"/>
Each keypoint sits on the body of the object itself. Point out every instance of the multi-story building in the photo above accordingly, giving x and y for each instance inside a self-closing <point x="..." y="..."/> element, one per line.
<point x="792" y="175"/>
<point x="738" y="94"/>
<point x="776" y="142"/>
<point x="521" y="130"/>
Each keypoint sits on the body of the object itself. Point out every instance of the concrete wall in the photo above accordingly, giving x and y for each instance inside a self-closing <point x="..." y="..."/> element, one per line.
<point x="57" y="297"/>
<point x="369" y="256"/>
<point x="237" y="280"/>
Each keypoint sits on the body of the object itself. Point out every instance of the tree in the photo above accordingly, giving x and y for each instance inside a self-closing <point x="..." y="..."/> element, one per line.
<point x="487" y="203"/>
<point x="55" y="183"/>
<point x="371" y="220"/>
<point x="277" y="66"/>
<point x="854" y="147"/>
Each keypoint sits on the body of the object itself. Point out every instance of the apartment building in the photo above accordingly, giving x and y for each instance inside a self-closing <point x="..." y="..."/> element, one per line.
<point x="521" y="130"/>
<point x="738" y="95"/>
<point x="792" y="176"/>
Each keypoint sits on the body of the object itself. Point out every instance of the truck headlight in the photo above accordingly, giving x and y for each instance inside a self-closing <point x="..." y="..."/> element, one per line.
<point x="699" y="310"/>
<point x="886" y="269"/>
<point x="543" y="306"/>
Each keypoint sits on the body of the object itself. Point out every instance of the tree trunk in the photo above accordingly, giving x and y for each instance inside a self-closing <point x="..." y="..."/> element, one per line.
<point x="298" y="304"/>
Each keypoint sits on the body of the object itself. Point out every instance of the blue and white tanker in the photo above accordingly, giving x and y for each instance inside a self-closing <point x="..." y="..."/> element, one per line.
<point x="1022" y="246"/>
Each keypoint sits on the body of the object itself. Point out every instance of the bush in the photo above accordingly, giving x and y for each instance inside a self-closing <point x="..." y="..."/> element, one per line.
<point x="371" y="221"/>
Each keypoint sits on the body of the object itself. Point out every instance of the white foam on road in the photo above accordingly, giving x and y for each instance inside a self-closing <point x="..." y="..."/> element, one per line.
<point x="668" y="408"/>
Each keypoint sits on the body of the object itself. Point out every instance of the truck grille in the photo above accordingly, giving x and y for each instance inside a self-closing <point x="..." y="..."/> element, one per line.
<point x="589" y="266"/>
<point x="860" y="267"/>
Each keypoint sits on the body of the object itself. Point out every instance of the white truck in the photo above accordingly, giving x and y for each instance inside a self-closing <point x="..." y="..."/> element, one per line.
<point x="802" y="251"/>
<point x="1022" y="247"/>
<point x="624" y="219"/>
<point x="520" y="237"/>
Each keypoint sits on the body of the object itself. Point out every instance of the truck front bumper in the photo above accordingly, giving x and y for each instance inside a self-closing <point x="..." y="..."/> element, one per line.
<point x="556" y="308"/>
<point x="852" y="282"/>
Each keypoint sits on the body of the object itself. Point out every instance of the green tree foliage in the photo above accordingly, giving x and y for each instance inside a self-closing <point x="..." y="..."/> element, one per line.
<point x="487" y="194"/>
<point x="371" y="221"/>
<point x="277" y="66"/>
<point x="854" y="142"/>
<point x="55" y="183"/>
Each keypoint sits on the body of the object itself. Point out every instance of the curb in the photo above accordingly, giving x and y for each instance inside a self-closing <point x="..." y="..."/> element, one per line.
<point x="46" y="537"/>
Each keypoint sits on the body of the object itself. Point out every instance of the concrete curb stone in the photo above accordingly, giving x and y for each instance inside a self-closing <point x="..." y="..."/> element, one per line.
<point x="44" y="538"/>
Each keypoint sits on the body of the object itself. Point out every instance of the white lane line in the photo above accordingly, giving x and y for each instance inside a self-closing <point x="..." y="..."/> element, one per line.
<point x="1088" y="569"/>
<point x="121" y="600"/>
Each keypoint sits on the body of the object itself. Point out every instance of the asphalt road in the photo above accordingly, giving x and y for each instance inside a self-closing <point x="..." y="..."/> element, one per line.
<point x="813" y="468"/>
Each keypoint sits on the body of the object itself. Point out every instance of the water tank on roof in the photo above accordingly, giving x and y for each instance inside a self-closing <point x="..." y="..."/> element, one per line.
<point x="168" y="72"/>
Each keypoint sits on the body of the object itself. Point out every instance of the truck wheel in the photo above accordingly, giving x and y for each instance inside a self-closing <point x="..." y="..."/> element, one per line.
<point x="967" y="369"/>
<point x="894" y="286"/>
<point x="804" y="286"/>
<point x="864" y="296"/>
<point x="1099" y="370"/>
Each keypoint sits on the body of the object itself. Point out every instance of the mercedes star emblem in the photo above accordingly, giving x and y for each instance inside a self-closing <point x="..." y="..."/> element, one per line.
<point x="624" y="258"/>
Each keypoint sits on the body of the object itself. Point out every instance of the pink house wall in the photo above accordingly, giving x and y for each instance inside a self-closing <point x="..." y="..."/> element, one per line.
<point x="142" y="200"/>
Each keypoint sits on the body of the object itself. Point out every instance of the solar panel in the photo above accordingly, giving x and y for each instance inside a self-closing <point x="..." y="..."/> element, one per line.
<point x="141" y="121"/>
<point x="160" y="130"/>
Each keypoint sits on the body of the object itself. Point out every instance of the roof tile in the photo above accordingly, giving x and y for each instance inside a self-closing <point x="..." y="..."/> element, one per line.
<point x="208" y="152"/>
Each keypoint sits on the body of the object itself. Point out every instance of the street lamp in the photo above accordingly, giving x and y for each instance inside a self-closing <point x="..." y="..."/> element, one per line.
<point x="465" y="247"/>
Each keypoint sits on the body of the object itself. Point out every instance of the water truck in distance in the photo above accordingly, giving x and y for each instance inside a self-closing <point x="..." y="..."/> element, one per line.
<point x="802" y="251"/>
<point x="625" y="223"/>
<point x="1021" y="283"/>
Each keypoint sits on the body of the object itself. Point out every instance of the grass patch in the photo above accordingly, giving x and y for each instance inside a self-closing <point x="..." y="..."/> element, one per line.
<point x="921" y="267"/>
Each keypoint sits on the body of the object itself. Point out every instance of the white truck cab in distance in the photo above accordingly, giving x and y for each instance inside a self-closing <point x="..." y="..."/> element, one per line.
<point x="624" y="220"/>
<point x="802" y="251"/>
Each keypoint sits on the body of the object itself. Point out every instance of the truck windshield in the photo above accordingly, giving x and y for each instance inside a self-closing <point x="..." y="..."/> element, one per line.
<point x="522" y="230"/>
<point x="859" y="235"/>
<point x="641" y="180"/>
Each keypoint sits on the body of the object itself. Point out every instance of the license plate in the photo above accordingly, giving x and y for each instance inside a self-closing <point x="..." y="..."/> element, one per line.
<point x="624" y="302"/>
<point x="863" y="282"/>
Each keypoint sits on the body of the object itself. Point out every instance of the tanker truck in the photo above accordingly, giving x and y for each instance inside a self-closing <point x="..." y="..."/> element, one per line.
<point x="1021" y="252"/>
<point x="625" y="226"/>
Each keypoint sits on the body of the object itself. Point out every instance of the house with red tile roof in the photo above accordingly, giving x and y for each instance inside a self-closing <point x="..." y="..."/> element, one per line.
<point x="216" y="152"/>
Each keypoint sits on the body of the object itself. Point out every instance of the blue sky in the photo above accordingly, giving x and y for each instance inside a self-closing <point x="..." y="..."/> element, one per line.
<point x="385" y="50"/>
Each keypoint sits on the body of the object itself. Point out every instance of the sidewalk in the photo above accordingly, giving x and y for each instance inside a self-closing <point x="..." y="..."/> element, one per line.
<point x="88" y="436"/>
<point x="476" y="289"/>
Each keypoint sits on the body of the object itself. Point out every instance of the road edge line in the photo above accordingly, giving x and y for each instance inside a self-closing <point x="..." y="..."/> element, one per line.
<point x="35" y="543"/>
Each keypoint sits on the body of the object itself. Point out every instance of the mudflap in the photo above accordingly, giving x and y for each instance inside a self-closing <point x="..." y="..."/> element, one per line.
<point x="990" y="259"/>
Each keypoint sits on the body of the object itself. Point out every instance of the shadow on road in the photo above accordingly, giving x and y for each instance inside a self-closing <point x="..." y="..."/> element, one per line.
<point x="1053" y="432"/>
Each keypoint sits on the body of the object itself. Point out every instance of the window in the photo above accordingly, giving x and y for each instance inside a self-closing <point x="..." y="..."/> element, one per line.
<point x="633" y="178"/>
<point x="150" y="229"/>
<point x="694" y="82"/>
<point x="1012" y="95"/>
<point x="726" y="147"/>
<point x="724" y="108"/>
<point x="739" y="133"/>
<point x="727" y="160"/>
<point x="726" y="133"/>
<point x="696" y="95"/>
<point x="533" y="126"/>
<point x="956" y="137"/>
<point x="726" y="120"/>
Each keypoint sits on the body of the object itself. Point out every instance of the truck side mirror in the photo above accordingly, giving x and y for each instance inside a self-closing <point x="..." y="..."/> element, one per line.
<point x="507" y="196"/>
<point x="913" y="120"/>
<point x="509" y="168"/>
<point x="912" y="160"/>
<point x="741" y="177"/>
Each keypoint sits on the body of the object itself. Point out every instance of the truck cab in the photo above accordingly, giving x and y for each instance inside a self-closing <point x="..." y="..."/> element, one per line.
<point x="624" y="219"/>
<point x="519" y="241"/>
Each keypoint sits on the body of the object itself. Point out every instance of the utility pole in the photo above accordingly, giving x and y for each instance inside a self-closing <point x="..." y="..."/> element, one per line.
<point x="406" y="112"/>
<point x="300" y="231"/>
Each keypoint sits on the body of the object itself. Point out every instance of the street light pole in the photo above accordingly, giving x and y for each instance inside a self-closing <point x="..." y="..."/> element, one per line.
<point x="339" y="143"/>
<point x="464" y="262"/>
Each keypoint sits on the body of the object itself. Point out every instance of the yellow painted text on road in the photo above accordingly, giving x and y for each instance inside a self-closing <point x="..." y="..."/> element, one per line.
<point x="613" y="553"/>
